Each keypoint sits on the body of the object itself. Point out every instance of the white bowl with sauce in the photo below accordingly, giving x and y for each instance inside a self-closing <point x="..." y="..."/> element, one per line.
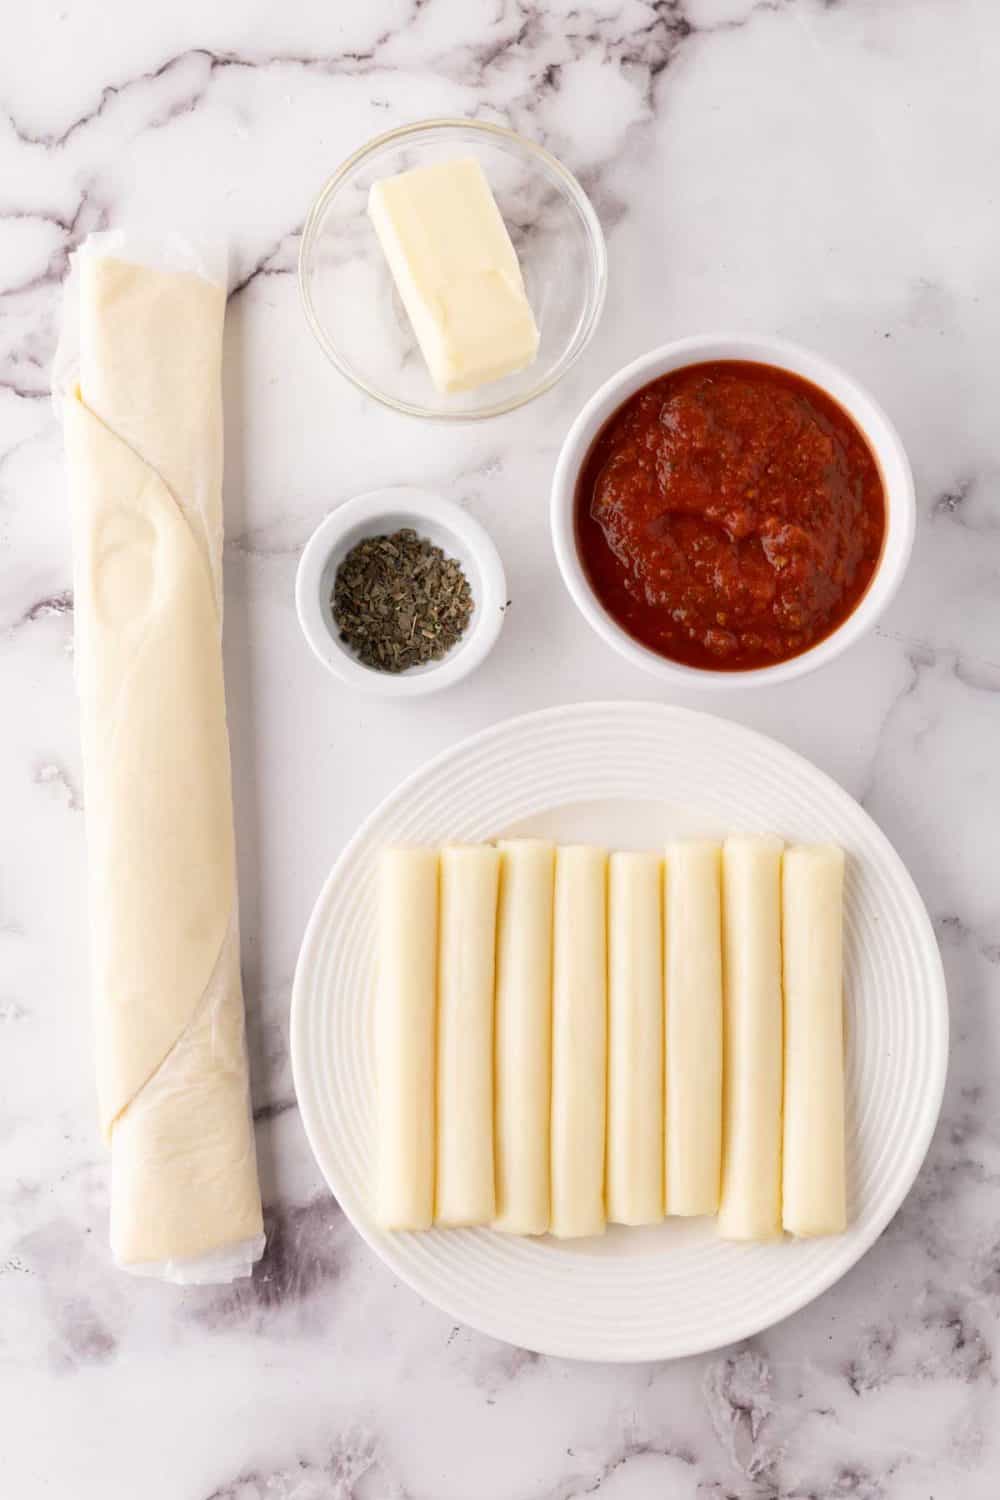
<point x="866" y="415"/>
<point x="380" y="513"/>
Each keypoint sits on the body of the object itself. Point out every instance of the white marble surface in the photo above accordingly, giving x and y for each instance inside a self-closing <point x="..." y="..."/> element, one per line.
<point x="826" y="171"/>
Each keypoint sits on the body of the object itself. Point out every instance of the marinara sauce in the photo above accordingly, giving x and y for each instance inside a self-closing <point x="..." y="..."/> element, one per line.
<point x="730" y="515"/>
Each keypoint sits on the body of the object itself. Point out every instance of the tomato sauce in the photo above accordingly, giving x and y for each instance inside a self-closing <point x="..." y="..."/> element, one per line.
<point x="730" y="515"/>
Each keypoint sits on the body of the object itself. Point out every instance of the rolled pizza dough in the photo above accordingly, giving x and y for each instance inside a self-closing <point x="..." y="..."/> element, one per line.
<point x="143" y="430"/>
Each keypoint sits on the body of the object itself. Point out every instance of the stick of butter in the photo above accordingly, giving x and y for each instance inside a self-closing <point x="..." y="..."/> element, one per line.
<point x="456" y="271"/>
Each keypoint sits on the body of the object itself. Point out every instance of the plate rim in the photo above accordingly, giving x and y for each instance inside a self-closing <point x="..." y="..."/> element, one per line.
<point x="939" y="1053"/>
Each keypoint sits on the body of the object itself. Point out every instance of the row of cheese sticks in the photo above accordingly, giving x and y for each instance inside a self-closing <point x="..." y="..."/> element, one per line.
<point x="564" y="1038"/>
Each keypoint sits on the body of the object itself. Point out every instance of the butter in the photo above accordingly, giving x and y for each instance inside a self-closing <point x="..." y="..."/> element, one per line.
<point x="456" y="272"/>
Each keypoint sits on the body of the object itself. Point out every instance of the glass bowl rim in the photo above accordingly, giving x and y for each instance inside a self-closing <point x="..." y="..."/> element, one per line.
<point x="595" y="237"/>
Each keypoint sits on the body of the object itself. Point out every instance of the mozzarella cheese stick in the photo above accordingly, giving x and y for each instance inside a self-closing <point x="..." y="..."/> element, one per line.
<point x="750" y="1207"/>
<point x="635" y="1040"/>
<point x="814" y="1192"/>
<point x="523" y="1036"/>
<point x="693" y="984"/>
<point x="579" y="1041"/>
<point x="405" y="1012"/>
<point x="465" y="1190"/>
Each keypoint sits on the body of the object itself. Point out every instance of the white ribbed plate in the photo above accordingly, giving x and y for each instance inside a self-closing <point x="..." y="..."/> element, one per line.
<point x="630" y="774"/>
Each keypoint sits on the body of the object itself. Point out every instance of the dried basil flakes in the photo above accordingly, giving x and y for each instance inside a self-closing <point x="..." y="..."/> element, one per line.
<point x="399" y="601"/>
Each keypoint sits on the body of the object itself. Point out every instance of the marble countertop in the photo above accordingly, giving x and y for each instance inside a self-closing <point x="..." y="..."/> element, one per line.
<point x="824" y="171"/>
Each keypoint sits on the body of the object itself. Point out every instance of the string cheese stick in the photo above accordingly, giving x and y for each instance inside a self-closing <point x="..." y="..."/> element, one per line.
<point x="693" y="983"/>
<point x="579" y="1041"/>
<point x="814" y="1194"/>
<point x="750" y="1207"/>
<point x="465" y="1189"/>
<point x="406" y="1003"/>
<point x="523" y="1036"/>
<point x="635" y="1040"/>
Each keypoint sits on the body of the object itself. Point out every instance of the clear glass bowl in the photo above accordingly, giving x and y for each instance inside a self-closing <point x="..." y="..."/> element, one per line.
<point x="351" y="301"/>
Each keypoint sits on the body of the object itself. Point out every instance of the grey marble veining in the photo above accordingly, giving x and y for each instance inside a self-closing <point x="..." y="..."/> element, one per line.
<point x="825" y="171"/>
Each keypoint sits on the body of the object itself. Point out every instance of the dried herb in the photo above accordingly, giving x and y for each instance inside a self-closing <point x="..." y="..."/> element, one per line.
<point x="399" y="601"/>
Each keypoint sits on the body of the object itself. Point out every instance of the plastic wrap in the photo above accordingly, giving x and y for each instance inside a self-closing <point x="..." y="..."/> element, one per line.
<point x="138" y="380"/>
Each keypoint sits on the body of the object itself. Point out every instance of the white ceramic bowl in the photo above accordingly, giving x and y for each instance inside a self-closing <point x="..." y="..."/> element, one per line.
<point x="883" y="440"/>
<point x="448" y="527"/>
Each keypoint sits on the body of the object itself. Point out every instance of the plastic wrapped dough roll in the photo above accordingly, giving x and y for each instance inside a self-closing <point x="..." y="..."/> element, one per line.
<point x="579" y="1041"/>
<point x="143" y="427"/>
<point x="750" y="1207"/>
<point x="814" y="1197"/>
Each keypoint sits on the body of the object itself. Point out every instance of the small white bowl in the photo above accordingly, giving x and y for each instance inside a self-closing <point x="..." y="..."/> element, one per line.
<point x="441" y="522"/>
<point x="883" y="439"/>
